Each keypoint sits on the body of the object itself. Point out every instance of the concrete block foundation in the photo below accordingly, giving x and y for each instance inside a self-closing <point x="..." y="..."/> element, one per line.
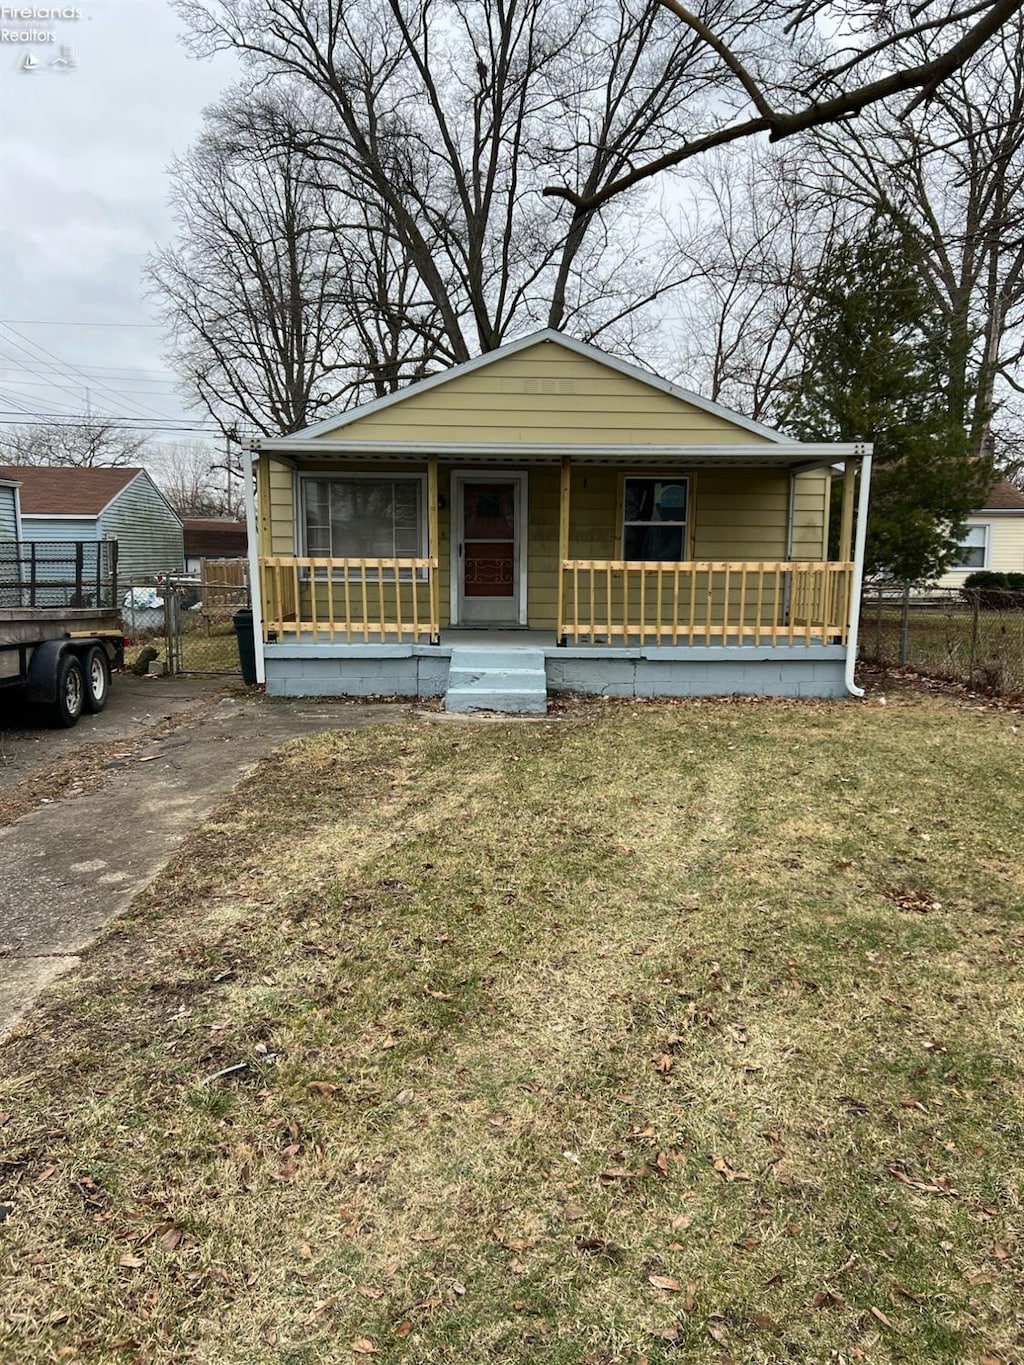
<point x="423" y="671"/>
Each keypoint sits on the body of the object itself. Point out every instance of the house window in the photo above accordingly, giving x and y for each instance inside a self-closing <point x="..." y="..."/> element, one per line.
<point x="654" y="519"/>
<point x="972" y="552"/>
<point x="363" y="518"/>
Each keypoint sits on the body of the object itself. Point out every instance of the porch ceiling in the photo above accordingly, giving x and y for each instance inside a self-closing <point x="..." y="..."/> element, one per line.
<point x="747" y="456"/>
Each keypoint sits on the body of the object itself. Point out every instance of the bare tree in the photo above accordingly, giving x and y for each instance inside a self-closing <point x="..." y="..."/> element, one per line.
<point x="84" y="442"/>
<point x="443" y="122"/>
<point x="759" y="233"/>
<point x="190" y="474"/>
<point x="246" y="292"/>
<point x="955" y="175"/>
<point x="786" y="77"/>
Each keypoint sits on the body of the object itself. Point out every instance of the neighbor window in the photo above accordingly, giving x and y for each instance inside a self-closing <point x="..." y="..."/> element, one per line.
<point x="363" y="518"/>
<point x="972" y="552"/>
<point x="654" y="519"/>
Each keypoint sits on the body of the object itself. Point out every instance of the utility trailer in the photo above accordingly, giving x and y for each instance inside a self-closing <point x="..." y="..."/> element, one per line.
<point x="60" y="626"/>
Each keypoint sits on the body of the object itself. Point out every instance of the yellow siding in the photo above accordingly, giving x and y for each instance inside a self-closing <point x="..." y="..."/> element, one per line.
<point x="545" y="393"/>
<point x="811" y="498"/>
<point x="282" y="509"/>
<point x="735" y="515"/>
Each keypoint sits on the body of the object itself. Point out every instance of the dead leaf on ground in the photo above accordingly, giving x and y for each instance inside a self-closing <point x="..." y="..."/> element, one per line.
<point x="403" y="1329"/>
<point x="880" y="1317"/>
<point x="322" y="1087"/>
<point x="130" y="1262"/>
<point x="362" y="1346"/>
<point x="729" y="1171"/>
<point x="599" y="1245"/>
<point x="665" y="1282"/>
<point x="826" y="1298"/>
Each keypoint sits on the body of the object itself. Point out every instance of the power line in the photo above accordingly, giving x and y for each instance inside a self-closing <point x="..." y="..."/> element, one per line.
<point x="75" y="394"/>
<point x="44" y="419"/>
<point x="17" y="389"/>
<point x="39" y="322"/>
<point x="142" y="407"/>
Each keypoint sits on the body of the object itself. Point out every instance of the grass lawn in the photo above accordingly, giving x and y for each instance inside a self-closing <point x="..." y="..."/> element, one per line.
<point x="683" y="1033"/>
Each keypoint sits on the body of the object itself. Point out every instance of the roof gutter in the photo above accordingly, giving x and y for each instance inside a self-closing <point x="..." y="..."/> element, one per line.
<point x="810" y="455"/>
<point x="255" y="585"/>
<point x="860" y="539"/>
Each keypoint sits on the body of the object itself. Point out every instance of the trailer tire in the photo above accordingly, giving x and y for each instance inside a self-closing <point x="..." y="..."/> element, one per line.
<point x="67" y="707"/>
<point x="96" y="669"/>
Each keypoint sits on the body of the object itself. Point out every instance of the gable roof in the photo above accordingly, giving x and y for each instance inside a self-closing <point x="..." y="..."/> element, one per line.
<point x="1004" y="497"/>
<point x="61" y="491"/>
<point x="548" y="334"/>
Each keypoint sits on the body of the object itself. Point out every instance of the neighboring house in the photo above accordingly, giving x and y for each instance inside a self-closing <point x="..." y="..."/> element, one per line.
<point x="994" y="539"/>
<point x="73" y="504"/>
<point x="548" y="517"/>
<point x="10" y="510"/>
<point x="212" y="538"/>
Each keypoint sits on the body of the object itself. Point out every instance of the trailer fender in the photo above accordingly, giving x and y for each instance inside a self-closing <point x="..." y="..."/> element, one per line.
<point x="42" y="671"/>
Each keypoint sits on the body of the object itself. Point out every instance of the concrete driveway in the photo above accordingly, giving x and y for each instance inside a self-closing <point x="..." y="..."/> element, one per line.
<point x="71" y="865"/>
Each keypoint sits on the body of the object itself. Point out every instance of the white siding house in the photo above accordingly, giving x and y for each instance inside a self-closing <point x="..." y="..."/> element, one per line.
<point x="994" y="539"/>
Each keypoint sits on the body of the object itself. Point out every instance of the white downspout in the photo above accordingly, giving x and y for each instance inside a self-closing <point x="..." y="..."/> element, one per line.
<point x="853" y="625"/>
<point x="255" y="586"/>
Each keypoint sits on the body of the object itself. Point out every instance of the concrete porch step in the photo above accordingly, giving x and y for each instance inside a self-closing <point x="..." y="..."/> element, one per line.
<point x="507" y="680"/>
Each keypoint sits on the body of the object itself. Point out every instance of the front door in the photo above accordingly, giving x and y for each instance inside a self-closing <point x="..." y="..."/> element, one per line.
<point x="487" y="549"/>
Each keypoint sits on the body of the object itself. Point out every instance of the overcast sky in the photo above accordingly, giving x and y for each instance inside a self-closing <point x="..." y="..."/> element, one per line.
<point x="83" y="198"/>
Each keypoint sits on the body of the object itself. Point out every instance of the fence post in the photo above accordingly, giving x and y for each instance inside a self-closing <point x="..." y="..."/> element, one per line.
<point x="905" y="628"/>
<point x="975" y="613"/>
<point x="171" y="625"/>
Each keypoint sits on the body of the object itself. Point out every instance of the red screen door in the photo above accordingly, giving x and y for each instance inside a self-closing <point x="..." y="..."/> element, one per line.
<point x="489" y="539"/>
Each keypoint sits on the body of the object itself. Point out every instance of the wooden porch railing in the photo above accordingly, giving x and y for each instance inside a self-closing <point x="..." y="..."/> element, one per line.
<point x="376" y="601"/>
<point x="707" y="602"/>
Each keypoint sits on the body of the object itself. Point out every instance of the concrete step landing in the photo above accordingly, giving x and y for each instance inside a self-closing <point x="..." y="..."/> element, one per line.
<point x="507" y="679"/>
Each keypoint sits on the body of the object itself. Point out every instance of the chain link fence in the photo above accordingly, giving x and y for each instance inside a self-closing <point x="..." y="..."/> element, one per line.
<point x="183" y="623"/>
<point x="970" y="636"/>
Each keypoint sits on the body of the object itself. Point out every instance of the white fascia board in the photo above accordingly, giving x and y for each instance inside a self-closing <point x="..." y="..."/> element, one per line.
<point x="581" y="348"/>
<point x="62" y="516"/>
<point x="779" y="452"/>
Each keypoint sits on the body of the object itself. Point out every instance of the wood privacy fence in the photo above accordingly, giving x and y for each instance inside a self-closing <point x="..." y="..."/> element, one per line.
<point x="350" y="600"/>
<point x="705" y="602"/>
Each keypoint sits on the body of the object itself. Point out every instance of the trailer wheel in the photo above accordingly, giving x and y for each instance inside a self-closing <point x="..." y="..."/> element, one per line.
<point x="70" y="699"/>
<point x="97" y="679"/>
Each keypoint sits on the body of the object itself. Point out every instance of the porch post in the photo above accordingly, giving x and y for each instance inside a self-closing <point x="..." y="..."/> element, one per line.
<point x="563" y="545"/>
<point x="433" y="550"/>
<point x="253" y="530"/>
<point x="846" y="520"/>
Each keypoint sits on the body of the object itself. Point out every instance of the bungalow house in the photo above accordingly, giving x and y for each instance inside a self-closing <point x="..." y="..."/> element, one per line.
<point x="545" y="518"/>
<point x="65" y="504"/>
<point x="994" y="538"/>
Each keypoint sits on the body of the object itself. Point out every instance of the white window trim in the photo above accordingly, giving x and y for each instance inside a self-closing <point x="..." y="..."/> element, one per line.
<point x="623" y="523"/>
<point x="378" y="476"/>
<point x="986" y="527"/>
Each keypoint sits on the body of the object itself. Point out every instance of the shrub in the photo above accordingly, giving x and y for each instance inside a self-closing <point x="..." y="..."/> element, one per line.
<point x="995" y="591"/>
